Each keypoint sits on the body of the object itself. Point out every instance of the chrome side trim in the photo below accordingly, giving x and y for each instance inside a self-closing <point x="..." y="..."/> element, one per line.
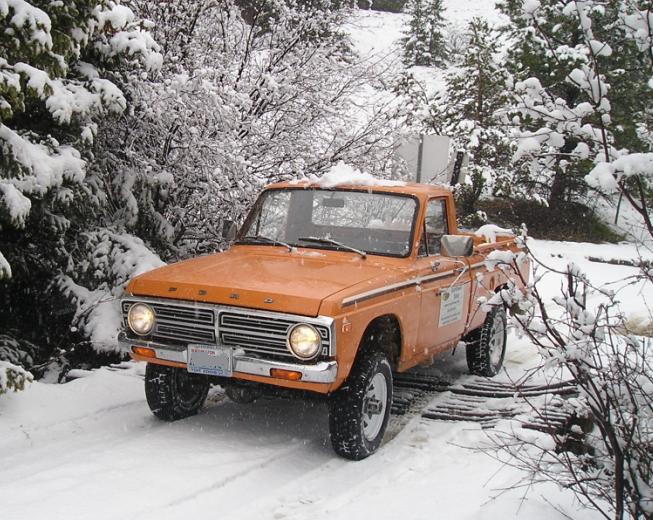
<point x="433" y="277"/>
<point x="320" y="372"/>
<point x="357" y="298"/>
<point x="351" y="300"/>
<point x="373" y="293"/>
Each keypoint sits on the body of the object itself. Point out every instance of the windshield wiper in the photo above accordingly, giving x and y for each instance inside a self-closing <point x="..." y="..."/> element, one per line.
<point x="333" y="243"/>
<point x="261" y="238"/>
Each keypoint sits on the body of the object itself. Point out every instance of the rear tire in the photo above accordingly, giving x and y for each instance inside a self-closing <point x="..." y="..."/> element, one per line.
<point x="487" y="348"/>
<point x="361" y="407"/>
<point x="174" y="393"/>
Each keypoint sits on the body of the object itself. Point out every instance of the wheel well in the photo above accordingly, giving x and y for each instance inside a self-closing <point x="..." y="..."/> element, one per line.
<point x="383" y="334"/>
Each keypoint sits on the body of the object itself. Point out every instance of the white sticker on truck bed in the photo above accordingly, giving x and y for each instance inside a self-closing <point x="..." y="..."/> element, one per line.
<point x="451" y="305"/>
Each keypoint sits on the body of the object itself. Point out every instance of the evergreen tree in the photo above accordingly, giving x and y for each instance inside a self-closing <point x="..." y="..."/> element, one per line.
<point x="468" y="111"/>
<point x="424" y="41"/>
<point x="575" y="67"/>
<point x="61" y="64"/>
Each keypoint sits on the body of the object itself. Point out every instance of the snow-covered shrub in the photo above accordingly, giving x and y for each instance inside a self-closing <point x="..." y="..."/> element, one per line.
<point x="606" y="453"/>
<point x="13" y="378"/>
<point x="240" y="103"/>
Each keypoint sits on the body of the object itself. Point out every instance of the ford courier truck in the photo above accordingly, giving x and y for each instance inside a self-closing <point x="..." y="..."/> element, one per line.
<point x="325" y="291"/>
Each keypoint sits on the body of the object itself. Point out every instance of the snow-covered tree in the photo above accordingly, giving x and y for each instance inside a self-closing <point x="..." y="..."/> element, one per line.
<point x="424" y="42"/>
<point x="581" y="84"/>
<point x="590" y="115"/>
<point x="54" y="90"/>
<point x="61" y="67"/>
<point x="242" y="102"/>
<point x="469" y="111"/>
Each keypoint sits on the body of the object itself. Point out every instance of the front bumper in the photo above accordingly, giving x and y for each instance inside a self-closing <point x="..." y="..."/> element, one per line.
<point x="320" y="372"/>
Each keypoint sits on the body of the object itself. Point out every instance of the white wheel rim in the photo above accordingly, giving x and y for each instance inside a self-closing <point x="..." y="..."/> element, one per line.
<point x="497" y="342"/>
<point x="374" y="406"/>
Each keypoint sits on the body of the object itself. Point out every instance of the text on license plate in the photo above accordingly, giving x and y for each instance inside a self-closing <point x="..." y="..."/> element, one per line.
<point x="210" y="360"/>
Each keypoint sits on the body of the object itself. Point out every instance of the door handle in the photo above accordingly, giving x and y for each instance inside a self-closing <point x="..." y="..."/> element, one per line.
<point x="434" y="266"/>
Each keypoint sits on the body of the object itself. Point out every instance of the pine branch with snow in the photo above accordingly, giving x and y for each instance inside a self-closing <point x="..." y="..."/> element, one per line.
<point x="53" y="94"/>
<point x="13" y="378"/>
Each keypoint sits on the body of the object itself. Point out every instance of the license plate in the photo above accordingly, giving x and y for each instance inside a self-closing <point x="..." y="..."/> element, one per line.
<point x="210" y="360"/>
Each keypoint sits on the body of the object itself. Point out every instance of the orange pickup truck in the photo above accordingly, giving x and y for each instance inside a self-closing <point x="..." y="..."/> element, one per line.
<point x="326" y="290"/>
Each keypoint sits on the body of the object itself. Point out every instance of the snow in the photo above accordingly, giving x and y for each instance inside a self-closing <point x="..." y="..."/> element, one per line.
<point x="5" y="268"/>
<point x="376" y="32"/>
<point x="134" y="43"/>
<point x="491" y="231"/>
<point x="118" y="16"/>
<point x="92" y="449"/>
<point x="26" y="16"/>
<point x="606" y="175"/>
<point x="65" y="448"/>
<point x="342" y="173"/>
<point x="530" y="6"/>
<point x="16" y="204"/>
<point x="37" y="79"/>
<point x="635" y="298"/>
<point x="46" y="170"/>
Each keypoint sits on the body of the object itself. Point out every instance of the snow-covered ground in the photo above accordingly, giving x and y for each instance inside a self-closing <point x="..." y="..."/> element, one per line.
<point x="91" y="449"/>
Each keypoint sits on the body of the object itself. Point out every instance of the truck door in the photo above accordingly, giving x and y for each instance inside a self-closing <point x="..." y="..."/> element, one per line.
<point x="445" y="285"/>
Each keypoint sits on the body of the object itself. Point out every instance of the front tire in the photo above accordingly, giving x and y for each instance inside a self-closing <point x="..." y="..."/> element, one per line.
<point x="174" y="393"/>
<point x="361" y="408"/>
<point x="486" y="351"/>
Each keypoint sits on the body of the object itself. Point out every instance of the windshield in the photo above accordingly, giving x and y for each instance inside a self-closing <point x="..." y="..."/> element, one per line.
<point x="359" y="221"/>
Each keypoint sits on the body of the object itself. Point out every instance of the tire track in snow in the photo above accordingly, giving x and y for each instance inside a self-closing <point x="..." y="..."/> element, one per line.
<point x="264" y="466"/>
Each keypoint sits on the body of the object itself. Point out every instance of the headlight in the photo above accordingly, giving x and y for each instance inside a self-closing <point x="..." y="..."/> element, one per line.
<point x="304" y="341"/>
<point x="141" y="318"/>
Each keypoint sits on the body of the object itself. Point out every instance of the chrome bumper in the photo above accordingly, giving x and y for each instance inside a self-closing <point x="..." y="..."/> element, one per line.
<point x="320" y="372"/>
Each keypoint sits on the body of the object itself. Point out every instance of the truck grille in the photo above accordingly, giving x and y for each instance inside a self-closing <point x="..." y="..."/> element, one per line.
<point x="184" y="324"/>
<point x="256" y="334"/>
<point x="261" y="334"/>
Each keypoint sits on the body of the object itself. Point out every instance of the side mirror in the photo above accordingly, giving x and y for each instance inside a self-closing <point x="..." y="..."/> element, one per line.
<point x="456" y="245"/>
<point x="228" y="230"/>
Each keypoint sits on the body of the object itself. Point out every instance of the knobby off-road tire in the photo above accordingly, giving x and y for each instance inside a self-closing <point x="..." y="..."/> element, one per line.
<point x="487" y="347"/>
<point x="360" y="410"/>
<point x="174" y="393"/>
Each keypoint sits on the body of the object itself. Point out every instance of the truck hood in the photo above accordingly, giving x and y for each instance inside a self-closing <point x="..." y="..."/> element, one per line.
<point x="260" y="277"/>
